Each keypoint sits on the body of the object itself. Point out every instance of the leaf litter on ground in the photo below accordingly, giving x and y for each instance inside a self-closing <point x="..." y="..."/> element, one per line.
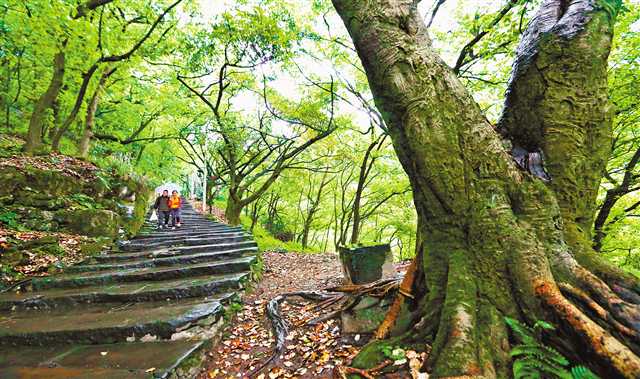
<point x="311" y="351"/>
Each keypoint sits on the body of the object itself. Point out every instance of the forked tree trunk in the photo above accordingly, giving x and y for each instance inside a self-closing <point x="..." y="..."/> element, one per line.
<point x="493" y="239"/>
<point x="82" y="91"/>
<point x="87" y="134"/>
<point x="45" y="102"/>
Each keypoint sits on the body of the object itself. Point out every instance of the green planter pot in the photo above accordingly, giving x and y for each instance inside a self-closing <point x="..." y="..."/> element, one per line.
<point x="364" y="264"/>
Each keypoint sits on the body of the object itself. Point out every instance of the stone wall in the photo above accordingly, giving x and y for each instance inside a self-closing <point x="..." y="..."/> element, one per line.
<point x="97" y="205"/>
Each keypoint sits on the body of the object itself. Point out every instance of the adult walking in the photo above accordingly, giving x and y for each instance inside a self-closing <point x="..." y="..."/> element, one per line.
<point x="175" y="203"/>
<point x="162" y="208"/>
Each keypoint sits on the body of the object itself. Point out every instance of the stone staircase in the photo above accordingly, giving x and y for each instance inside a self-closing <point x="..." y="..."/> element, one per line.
<point x="134" y="313"/>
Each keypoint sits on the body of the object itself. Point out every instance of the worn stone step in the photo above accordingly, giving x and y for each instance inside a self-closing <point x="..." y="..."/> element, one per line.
<point x="102" y="323"/>
<point x="177" y="234"/>
<point x="172" y="260"/>
<point x="121" y="361"/>
<point x="186" y="230"/>
<point x="204" y="286"/>
<point x="214" y="247"/>
<point x="181" y="234"/>
<point x="143" y="274"/>
<point x="151" y="227"/>
<point x="113" y="257"/>
<point x="214" y="239"/>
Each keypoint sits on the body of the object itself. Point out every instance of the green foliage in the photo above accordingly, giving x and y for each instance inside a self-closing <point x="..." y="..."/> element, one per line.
<point x="612" y="7"/>
<point x="85" y="201"/>
<point x="9" y="219"/>
<point x="232" y="309"/>
<point x="392" y="352"/>
<point x="533" y="359"/>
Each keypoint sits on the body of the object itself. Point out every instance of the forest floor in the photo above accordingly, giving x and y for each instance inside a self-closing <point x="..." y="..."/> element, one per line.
<point x="311" y="351"/>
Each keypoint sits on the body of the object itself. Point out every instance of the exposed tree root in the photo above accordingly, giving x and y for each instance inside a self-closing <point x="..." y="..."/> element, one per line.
<point x="598" y="310"/>
<point x="606" y="347"/>
<point x="345" y="297"/>
<point x="404" y="291"/>
<point x="341" y="372"/>
<point x="279" y="324"/>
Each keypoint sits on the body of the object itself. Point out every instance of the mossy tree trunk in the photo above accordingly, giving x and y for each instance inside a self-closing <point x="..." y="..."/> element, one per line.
<point x="233" y="210"/>
<point x="45" y="102"/>
<point x="495" y="240"/>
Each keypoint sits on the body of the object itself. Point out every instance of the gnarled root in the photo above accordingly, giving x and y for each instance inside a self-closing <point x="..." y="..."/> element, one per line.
<point x="607" y="348"/>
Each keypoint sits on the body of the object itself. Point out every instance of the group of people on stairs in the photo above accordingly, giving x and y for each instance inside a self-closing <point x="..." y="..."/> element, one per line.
<point x="168" y="207"/>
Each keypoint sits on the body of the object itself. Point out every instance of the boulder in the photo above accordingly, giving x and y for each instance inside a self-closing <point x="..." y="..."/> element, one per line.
<point x="90" y="222"/>
<point x="364" y="317"/>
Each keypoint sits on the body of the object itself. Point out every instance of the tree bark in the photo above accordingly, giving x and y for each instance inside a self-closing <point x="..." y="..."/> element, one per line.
<point x="233" y="210"/>
<point x="315" y="204"/>
<point x="82" y="91"/>
<point x="494" y="240"/>
<point x="45" y="102"/>
<point x="85" y="141"/>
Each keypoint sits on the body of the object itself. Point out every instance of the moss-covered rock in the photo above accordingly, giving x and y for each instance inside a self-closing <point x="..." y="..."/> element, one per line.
<point x="98" y="204"/>
<point x="90" y="222"/>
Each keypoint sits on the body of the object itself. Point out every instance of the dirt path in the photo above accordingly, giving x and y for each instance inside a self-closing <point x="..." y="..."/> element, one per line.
<point x="312" y="352"/>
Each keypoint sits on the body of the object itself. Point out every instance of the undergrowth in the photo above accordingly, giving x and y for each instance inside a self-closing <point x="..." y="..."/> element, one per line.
<point x="532" y="359"/>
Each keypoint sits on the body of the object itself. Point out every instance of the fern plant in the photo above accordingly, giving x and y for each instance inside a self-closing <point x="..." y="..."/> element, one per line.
<point x="534" y="360"/>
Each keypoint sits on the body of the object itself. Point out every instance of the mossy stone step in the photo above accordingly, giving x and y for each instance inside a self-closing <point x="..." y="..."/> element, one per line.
<point x="172" y="260"/>
<point x="143" y="274"/>
<point x="111" y="361"/>
<point x="215" y="247"/>
<point x="153" y="232"/>
<point x="217" y="239"/>
<point x="179" y="234"/>
<point x="101" y="323"/>
<point x="115" y="257"/>
<point x="205" y="287"/>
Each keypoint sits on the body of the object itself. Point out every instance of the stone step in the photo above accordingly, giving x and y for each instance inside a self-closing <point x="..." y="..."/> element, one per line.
<point x="153" y="228"/>
<point x="143" y="274"/>
<point x="203" y="286"/>
<point x="215" y="239"/>
<point x="214" y="247"/>
<point x="184" y="236"/>
<point x="113" y="257"/>
<point x="186" y="230"/>
<point x="180" y="233"/>
<point x="122" y="361"/>
<point x="102" y="323"/>
<point x="172" y="260"/>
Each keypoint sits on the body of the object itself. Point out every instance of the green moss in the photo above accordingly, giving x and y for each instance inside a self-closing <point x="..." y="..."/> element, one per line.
<point x="375" y="352"/>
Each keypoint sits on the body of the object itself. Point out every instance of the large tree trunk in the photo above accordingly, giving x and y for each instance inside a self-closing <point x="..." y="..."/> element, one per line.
<point x="45" y="102"/>
<point x="233" y="210"/>
<point x="495" y="240"/>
